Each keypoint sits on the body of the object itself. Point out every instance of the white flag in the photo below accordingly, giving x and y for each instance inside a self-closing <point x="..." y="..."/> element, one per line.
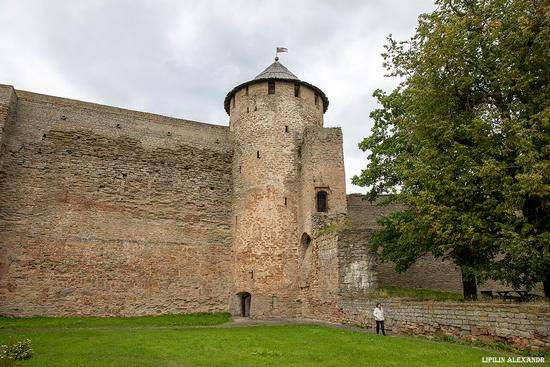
<point x="282" y="49"/>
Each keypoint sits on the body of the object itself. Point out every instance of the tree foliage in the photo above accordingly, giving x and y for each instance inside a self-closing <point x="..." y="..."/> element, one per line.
<point x="464" y="142"/>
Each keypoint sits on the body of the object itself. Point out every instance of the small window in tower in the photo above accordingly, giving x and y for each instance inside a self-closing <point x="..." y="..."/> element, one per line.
<point x="233" y="102"/>
<point x="316" y="99"/>
<point x="322" y="201"/>
<point x="247" y="109"/>
<point x="257" y="154"/>
<point x="246" y="91"/>
<point x="240" y="169"/>
<point x="271" y="87"/>
<point x="286" y="128"/>
<point x="296" y="90"/>
<point x="285" y="201"/>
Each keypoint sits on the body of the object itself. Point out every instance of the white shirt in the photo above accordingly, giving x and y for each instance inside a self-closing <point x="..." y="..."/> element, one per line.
<point x="378" y="314"/>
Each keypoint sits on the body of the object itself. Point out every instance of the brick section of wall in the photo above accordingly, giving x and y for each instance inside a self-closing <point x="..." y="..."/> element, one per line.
<point x="426" y="273"/>
<point x="106" y="211"/>
<point x="520" y="325"/>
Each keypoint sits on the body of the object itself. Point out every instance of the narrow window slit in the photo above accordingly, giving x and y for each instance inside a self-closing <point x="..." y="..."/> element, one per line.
<point x="271" y="87"/>
<point x="322" y="201"/>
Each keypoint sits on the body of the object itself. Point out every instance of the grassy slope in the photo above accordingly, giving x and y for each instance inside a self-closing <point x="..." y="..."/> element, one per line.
<point x="296" y="345"/>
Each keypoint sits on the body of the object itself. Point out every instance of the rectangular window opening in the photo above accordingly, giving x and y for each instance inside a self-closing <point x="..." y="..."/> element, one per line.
<point x="286" y="128"/>
<point x="258" y="154"/>
<point x="271" y="87"/>
<point x="285" y="201"/>
<point x="246" y="91"/>
<point x="316" y="99"/>
<point x="296" y="90"/>
<point x="233" y="102"/>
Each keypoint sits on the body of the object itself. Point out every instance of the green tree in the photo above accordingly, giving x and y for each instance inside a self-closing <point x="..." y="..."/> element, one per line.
<point x="464" y="142"/>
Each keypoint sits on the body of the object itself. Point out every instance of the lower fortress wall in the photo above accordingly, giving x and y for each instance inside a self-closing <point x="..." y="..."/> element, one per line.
<point x="524" y="326"/>
<point x="105" y="211"/>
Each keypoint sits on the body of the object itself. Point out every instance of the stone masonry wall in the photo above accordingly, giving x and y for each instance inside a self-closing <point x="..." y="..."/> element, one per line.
<point x="105" y="211"/>
<point x="8" y="104"/>
<point x="357" y="265"/>
<point x="426" y="273"/>
<point x="322" y="169"/>
<point x="320" y="279"/>
<point x="524" y="326"/>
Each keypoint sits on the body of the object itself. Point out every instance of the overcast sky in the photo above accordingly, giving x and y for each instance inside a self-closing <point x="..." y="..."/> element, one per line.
<point x="180" y="58"/>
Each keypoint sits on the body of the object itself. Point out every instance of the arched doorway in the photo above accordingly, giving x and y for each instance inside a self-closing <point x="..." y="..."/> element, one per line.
<point x="244" y="303"/>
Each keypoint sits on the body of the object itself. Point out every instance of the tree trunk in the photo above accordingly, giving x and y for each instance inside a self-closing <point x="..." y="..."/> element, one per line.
<point x="470" y="288"/>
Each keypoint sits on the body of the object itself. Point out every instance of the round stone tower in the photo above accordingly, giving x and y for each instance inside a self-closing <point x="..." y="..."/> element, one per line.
<point x="268" y="116"/>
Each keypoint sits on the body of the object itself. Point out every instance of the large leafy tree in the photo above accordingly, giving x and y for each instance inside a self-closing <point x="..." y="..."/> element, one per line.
<point x="464" y="142"/>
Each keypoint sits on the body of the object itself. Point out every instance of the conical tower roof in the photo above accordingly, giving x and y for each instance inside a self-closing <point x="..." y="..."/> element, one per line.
<point x="275" y="71"/>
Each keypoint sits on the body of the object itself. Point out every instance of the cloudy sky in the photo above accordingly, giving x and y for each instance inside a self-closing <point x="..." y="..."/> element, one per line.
<point x="180" y="58"/>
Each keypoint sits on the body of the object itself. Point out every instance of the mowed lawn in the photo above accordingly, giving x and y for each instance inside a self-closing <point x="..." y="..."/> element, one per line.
<point x="62" y="343"/>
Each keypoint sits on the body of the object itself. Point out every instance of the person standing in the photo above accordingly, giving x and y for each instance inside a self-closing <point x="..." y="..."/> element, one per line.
<point x="378" y="315"/>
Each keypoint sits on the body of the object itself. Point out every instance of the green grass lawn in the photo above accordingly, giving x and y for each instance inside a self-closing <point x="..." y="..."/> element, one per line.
<point x="137" y="344"/>
<point x="194" y="319"/>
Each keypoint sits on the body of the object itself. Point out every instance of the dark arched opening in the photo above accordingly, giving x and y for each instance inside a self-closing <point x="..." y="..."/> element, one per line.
<point x="322" y="201"/>
<point x="244" y="303"/>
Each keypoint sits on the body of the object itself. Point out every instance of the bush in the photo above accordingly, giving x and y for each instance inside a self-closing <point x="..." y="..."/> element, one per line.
<point x="18" y="351"/>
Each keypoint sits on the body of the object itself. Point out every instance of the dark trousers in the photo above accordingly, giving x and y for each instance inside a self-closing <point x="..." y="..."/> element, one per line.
<point x="380" y="324"/>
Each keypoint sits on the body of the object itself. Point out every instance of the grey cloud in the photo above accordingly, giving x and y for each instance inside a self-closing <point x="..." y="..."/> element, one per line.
<point x="180" y="58"/>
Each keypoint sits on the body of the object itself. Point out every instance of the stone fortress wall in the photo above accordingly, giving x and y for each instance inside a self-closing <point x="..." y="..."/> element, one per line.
<point x="426" y="273"/>
<point x="105" y="211"/>
<point x="524" y="326"/>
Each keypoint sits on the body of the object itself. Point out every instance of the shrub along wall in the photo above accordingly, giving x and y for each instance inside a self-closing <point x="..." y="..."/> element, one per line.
<point x="524" y="326"/>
